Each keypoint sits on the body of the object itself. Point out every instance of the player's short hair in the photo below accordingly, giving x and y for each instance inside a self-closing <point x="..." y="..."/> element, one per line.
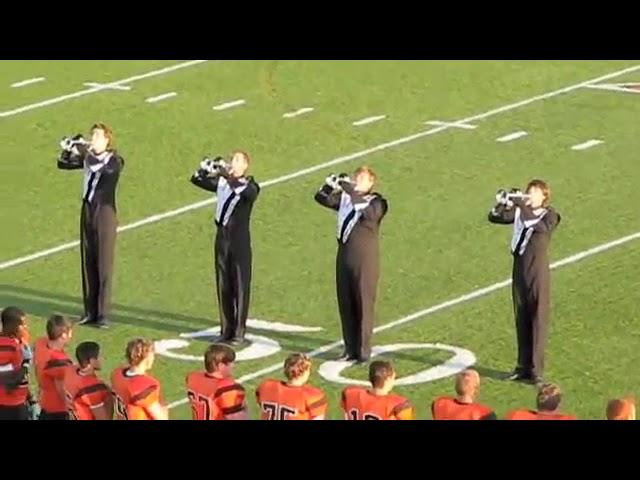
<point x="379" y="372"/>
<point x="295" y="365"/>
<point x="465" y="381"/>
<point x="368" y="170"/>
<point x="620" y="409"/>
<point x="12" y="320"/>
<point x="243" y="153"/>
<point x="138" y="350"/>
<point x="86" y="351"/>
<point x="58" y="325"/>
<point x="542" y="185"/>
<point x="549" y="397"/>
<point x="108" y="132"/>
<point x="216" y="354"/>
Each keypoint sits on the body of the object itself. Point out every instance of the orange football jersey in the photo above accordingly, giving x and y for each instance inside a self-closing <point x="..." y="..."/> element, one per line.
<point x="449" y="408"/>
<point x="535" y="415"/>
<point x="358" y="403"/>
<point x="83" y="394"/>
<point x="51" y="365"/>
<point x="213" y="398"/>
<point x="279" y="401"/>
<point x="133" y="394"/>
<point x="11" y="360"/>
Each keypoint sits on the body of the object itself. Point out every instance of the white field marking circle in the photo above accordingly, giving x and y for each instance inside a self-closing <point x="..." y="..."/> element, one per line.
<point x="260" y="347"/>
<point x="461" y="359"/>
<point x="280" y="327"/>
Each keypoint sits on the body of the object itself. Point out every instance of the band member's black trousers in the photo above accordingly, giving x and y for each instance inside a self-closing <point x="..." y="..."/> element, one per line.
<point x="233" y="281"/>
<point x="357" y="273"/>
<point x="98" y="224"/>
<point x="531" y="304"/>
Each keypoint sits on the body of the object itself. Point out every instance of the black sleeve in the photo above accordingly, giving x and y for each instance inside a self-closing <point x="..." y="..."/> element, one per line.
<point x="328" y="197"/>
<point x="548" y="223"/>
<point x="251" y="192"/>
<point x="376" y="210"/>
<point x="115" y="164"/>
<point x="69" y="161"/>
<point x="200" y="179"/>
<point x="502" y="215"/>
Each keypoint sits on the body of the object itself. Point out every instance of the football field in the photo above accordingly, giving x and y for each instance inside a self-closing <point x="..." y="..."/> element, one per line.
<point x="443" y="136"/>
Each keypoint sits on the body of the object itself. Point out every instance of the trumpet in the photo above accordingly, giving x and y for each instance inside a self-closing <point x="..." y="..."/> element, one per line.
<point x="209" y="165"/>
<point x="334" y="180"/>
<point x="506" y="198"/>
<point x="68" y="143"/>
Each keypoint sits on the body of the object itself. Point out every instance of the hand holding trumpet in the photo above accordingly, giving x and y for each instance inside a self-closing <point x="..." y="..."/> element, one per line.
<point x="75" y="145"/>
<point x="213" y="166"/>
<point x="336" y="181"/>
<point x="509" y="199"/>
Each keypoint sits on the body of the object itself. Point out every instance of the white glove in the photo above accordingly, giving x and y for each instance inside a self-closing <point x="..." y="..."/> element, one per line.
<point x="207" y="165"/>
<point x="66" y="144"/>
<point x="502" y="197"/>
<point x="332" y="181"/>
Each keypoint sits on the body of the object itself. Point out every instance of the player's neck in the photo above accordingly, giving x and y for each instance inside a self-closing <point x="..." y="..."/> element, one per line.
<point x="55" y="345"/>
<point x="137" y="370"/>
<point x="296" y="382"/>
<point x="87" y="371"/>
<point x="465" y="399"/>
<point x="549" y="412"/>
<point x="380" y="392"/>
<point x="215" y="375"/>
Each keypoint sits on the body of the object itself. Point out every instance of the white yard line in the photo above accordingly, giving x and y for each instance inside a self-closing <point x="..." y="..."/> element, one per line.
<point x="587" y="144"/>
<point x="512" y="136"/>
<point x="88" y="91"/>
<point x="159" y="98"/>
<point x="368" y="120"/>
<point x="234" y="103"/>
<point x="383" y="146"/>
<point x="300" y="111"/>
<point x="441" y="306"/>
<point x="464" y="126"/>
<point x="107" y="86"/>
<point x="613" y="87"/>
<point x="29" y="81"/>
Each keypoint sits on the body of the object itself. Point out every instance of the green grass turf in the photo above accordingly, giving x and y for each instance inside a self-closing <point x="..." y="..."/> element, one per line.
<point x="436" y="243"/>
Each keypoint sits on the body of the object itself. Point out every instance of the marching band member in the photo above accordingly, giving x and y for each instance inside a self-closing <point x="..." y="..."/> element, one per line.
<point x="360" y="212"/>
<point x="533" y="222"/>
<point x="102" y="166"/>
<point x="236" y="195"/>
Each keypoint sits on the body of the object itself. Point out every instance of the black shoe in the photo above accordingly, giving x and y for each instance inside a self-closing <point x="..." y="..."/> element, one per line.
<point x="362" y="360"/>
<point x="346" y="357"/>
<point x="238" y="342"/>
<point x="102" y="324"/>
<point x="85" y="320"/>
<point x="518" y="376"/>
<point x="222" y="339"/>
